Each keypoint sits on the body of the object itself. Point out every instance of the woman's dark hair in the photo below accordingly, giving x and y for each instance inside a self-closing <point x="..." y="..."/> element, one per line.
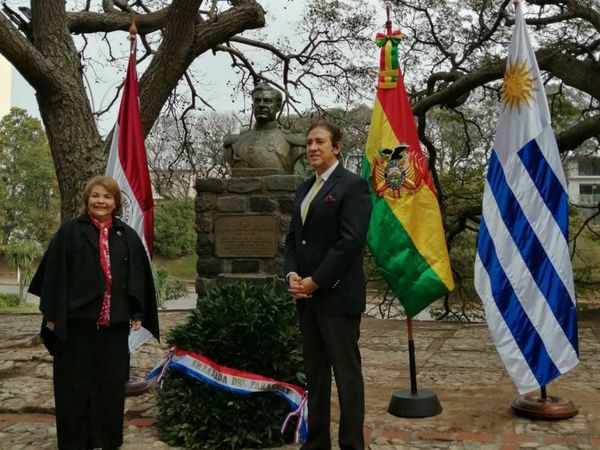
<point x="334" y="130"/>
<point x="108" y="183"/>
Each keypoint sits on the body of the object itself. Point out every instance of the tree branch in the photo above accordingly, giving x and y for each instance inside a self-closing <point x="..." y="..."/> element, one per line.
<point x="247" y="16"/>
<point x="170" y="62"/>
<point x="574" y="72"/>
<point x="25" y="57"/>
<point x="575" y="9"/>
<point x="576" y="135"/>
<point x="461" y="86"/>
<point x="92" y="22"/>
<point x="184" y="40"/>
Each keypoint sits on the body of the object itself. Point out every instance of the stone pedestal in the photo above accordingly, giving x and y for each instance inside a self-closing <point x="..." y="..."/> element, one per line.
<point x="241" y="198"/>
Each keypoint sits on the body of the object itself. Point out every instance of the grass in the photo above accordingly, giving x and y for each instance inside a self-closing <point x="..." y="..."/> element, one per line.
<point x="585" y="266"/>
<point x="27" y="308"/>
<point x="180" y="268"/>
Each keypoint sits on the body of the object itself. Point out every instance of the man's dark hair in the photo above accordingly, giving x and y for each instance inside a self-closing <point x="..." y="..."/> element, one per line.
<point x="334" y="130"/>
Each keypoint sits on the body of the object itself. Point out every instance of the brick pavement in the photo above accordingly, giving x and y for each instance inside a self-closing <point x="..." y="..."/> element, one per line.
<point x="455" y="360"/>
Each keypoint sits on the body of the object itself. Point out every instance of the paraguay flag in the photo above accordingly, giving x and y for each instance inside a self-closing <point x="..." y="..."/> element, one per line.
<point x="406" y="236"/>
<point x="127" y="161"/>
<point x="523" y="272"/>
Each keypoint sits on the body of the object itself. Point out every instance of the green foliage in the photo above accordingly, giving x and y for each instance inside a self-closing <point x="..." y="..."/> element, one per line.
<point x="29" y="196"/>
<point x="21" y="255"/>
<point x="174" y="233"/>
<point x="9" y="300"/>
<point x="181" y="268"/>
<point x="166" y="288"/>
<point x="584" y="245"/>
<point x="248" y="328"/>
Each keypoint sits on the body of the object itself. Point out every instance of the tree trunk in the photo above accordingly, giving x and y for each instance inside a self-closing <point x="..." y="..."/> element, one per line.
<point x="21" y="294"/>
<point x="65" y="109"/>
<point x="75" y="144"/>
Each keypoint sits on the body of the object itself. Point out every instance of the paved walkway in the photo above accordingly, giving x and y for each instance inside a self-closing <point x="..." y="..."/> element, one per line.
<point x="456" y="360"/>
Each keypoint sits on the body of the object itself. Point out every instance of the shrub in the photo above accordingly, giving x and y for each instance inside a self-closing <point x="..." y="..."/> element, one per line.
<point x="9" y="300"/>
<point x="248" y="328"/>
<point x="166" y="288"/>
<point x="174" y="233"/>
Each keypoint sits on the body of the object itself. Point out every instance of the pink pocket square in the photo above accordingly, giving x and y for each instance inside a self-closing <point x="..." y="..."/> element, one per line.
<point x="329" y="198"/>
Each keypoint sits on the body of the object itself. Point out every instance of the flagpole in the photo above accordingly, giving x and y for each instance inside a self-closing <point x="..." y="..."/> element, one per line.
<point x="132" y="35"/>
<point x="136" y="386"/>
<point x="388" y="22"/>
<point x="411" y="356"/>
<point x="413" y="402"/>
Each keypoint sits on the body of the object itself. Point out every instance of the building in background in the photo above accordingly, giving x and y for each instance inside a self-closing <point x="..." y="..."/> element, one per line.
<point x="583" y="174"/>
<point x="5" y="86"/>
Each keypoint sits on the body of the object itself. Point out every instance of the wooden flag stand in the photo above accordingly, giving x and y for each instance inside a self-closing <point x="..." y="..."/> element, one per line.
<point x="413" y="402"/>
<point x="136" y="386"/>
<point x="544" y="407"/>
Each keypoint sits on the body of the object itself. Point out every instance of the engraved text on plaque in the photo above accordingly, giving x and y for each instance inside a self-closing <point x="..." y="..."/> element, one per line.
<point x="244" y="235"/>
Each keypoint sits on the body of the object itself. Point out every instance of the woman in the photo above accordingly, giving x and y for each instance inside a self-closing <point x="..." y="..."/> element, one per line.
<point x="94" y="282"/>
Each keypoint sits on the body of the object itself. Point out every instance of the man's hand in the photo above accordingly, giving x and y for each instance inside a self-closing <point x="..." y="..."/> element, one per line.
<point x="301" y="287"/>
<point x="50" y="325"/>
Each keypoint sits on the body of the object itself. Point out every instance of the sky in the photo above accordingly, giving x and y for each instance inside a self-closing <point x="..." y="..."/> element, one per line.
<point x="216" y="70"/>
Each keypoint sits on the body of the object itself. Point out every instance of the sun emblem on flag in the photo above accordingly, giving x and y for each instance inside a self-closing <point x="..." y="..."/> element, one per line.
<point x="396" y="171"/>
<point x="518" y="85"/>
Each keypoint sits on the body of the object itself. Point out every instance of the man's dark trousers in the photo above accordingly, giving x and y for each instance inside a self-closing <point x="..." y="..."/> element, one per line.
<point x="331" y="340"/>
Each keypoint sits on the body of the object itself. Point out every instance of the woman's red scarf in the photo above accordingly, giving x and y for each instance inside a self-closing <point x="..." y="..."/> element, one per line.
<point x="104" y="318"/>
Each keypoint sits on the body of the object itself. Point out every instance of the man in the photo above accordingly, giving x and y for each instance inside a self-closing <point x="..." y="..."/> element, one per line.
<point x="266" y="146"/>
<point x="324" y="267"/>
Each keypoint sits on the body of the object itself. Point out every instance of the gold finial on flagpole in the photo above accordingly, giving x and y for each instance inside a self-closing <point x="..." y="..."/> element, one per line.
<point x="132" y="29"/>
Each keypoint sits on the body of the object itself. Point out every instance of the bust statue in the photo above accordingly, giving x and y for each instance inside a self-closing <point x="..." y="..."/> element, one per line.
<point x="266" y="146"/>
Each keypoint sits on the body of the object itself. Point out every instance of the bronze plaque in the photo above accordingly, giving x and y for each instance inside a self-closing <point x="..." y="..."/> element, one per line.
<point x="244" y="235"/>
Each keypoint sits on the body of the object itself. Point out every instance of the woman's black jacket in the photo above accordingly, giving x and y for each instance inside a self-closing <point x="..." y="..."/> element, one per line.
<point x="70" y="275"/>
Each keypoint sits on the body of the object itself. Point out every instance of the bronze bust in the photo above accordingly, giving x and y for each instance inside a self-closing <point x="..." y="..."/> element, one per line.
<point x="266" y="146"/>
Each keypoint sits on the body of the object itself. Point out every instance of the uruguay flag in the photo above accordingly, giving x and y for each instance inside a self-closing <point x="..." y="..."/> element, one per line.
<point x="127" y="161"/>
<point x="523" y="272"/>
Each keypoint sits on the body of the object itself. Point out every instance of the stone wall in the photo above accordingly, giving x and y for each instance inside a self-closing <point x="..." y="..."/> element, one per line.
<point x="265" y="195"/>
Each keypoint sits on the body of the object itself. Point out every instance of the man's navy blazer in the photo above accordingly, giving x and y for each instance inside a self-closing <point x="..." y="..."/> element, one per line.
<point x="329" y="246"/>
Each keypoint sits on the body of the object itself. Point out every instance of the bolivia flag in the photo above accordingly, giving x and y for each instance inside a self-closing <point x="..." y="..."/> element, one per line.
<point x="406" y="236"/>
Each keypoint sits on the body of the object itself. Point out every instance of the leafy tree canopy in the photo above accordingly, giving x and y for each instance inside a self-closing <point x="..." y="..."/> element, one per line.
<point x="29" y="198"/>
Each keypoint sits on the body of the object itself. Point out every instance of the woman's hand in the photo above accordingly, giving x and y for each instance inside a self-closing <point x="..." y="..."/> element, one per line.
<point x="50" y="325"/>
<point x="136" y="325"/>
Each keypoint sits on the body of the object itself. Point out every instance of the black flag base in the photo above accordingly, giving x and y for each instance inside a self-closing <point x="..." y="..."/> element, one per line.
<point x="422" y="403"/>
<point x="544" y="407"/>
<point x="136" y="386"/>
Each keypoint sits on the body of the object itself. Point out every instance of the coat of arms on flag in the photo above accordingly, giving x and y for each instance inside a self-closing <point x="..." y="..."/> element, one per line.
<point x="396" y="171"/>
